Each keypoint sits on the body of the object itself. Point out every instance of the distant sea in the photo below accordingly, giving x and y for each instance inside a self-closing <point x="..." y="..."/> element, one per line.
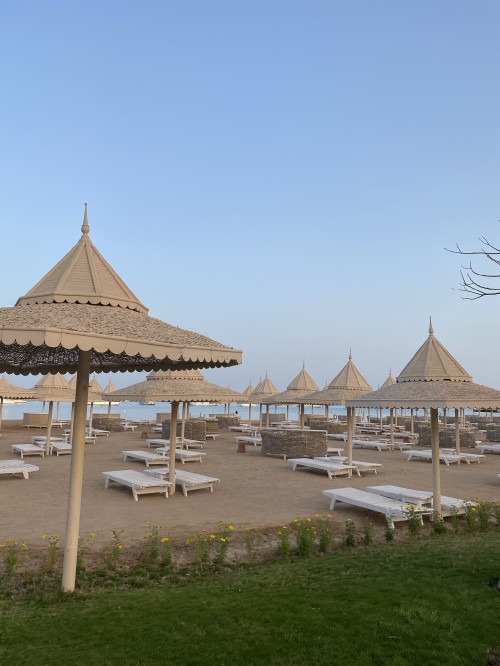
<point x="135" y="411"/>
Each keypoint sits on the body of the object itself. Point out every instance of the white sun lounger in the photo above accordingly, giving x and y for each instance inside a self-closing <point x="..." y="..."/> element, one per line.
<point x="60" y="448"/>
<point x="331" y="468"/>
<point x="187" y="480"/>
<point x="393" y="509"/>
<point x="190" y="443"/>
<point x="41" y="440"/>
<point x="358" y="465"/>
<point x="379" y="444"/>
<point x="334" y="451"/>
<point x="488" y="448"/>
<point x="128" y="426"/>
<point x="96" y="432"/>
<point x="153" y="443"/>
<point x="449" y="505"/>
<point x="337" y="436"/>
<point x="139" y="482"/>
<point x="145" y="457"/>
<point x="183" y="455"/>
<point x="17" y="467"/>
<point x="446" y="458"/>
<point x="28" y="450"/>
<point x="244" y="439"/>
<point x="466" y="457"/>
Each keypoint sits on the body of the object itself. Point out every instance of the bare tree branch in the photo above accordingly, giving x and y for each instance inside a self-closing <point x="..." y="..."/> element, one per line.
<point x="469" y="284"/>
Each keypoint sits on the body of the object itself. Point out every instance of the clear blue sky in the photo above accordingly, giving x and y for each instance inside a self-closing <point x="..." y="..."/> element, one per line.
<point x="280" y="175"/>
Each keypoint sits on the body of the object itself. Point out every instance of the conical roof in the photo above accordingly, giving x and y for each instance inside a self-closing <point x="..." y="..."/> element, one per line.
<point x="176" y="385"/>
<point x="346" y="385"/>
<point x="263" y="390"/>
<point x="82" y="304"/>
<point x="56" y="388"/>
<point x="350" y="378"/>
<point x="432" y="362"/>
<point x="302" y="384"/>
<point x="11" y="392"/>
<point x="109" y="387"/>
<point x="249" y="389"/>
<point x="389" y="381"/>
<point x="83" y="276"/>
<point x="432" y="379"/>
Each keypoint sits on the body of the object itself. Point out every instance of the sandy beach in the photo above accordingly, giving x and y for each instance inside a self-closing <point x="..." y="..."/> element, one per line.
<point x="254" y="490"/>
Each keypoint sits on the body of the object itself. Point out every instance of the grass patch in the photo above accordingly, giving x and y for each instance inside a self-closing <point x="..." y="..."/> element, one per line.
<point x="420" y="602"/>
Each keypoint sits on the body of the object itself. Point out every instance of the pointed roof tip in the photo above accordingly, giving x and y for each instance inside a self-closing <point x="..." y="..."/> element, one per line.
<point x="431" y="330"/>
<point x="85" y="225"/>
<point x="350" y="353"/>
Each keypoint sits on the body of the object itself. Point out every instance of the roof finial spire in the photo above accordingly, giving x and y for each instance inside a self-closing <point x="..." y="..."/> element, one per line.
<point x="350" y="353"/>
<point x="85" y="225"/>
<point x="431" y="330"/>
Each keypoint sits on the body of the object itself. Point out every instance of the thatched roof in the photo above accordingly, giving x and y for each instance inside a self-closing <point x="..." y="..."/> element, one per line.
<point x="346" y="385"/>
<point x="389" y="381"/>
<point x="301" y="385"/>
<point x="180" y="386"/>
<point x="11" y="392"/>
<point x="82" y="304"/>
<point x="432" y="379"/>
<point x="55" y="388"/>
<point x="263" y="390"/>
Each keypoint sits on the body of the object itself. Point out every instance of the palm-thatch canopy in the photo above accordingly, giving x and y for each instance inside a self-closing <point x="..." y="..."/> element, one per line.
<point x="348" y="384"/>
<point x="300" y="386"/>
<point x="432" y="379"/>
<point x="389" y="381"/>
<point x="175" y="385"/>
<point x="55" y="388"/>
<point x="10" y="392"/>
<point x="82" y="317"/>
<point x="82" y="304"/>
<point x="262" y="391"/>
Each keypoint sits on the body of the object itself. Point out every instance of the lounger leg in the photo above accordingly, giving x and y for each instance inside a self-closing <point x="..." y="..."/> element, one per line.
<point x="106" y="483"/>
<point x="25" y="474"/>
<point x="332" y="504"/>
<point x="134" y="493"/>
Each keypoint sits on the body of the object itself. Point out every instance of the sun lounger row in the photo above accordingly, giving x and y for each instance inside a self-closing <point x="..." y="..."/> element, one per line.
<point x="17" y="467"/>
<point x="186" y="480"/>
<point x="487" y="448"/>
<point x="155" y="481"/>
<point x="449" y="505"/>
<point x="139" y="482"/>
<point x="331" y="468"/>
<point x="394" y="502"/>
<point x="446" y="458"/>
<point x="161" y="455"/>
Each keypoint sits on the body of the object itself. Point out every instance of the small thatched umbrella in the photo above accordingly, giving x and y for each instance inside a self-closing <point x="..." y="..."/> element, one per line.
<point x="82" y="317"/>
<point x="10" y="392"/>
<point x="349" y="383"/>
<point x="303" y="384"/>
<point x="176" y="386"/>
<point x="248" y="391"/>
<point x="264" y="389"/>
<point x="432" y="379"/>
<point x="55" y="388"/>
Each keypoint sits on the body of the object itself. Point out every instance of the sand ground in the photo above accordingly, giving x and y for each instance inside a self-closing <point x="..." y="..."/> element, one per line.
<point x="254" y="490"/>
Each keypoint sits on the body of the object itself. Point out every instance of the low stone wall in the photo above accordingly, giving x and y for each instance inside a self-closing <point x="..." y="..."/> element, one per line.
<point x="446" y="437"/>
<point x="193" y="429"/>
<point x="103" y="422"/>
<point x="294" y="443"/>
<point x="334" y="427"/>
<point x="493" y="432"/>
<point x="225" y="420"/>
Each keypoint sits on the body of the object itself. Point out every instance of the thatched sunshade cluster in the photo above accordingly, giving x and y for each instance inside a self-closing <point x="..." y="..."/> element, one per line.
<point x="175" y="386"/>
<point x="302" y="385"/>
<point x="433" y="380"/>
<point x="10" y="392"/>
<point x="348" y="383"/>
<point x="82" y="317"/>
<point x="264" y="389"/>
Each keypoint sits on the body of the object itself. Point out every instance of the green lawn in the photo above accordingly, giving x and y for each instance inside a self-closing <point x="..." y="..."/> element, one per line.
<point x="424" y="602"/>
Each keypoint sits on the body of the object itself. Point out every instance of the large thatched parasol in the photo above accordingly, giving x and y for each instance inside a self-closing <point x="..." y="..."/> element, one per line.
<point x="349" y="383"/>
<point x="82" y="317"/>
<point x="432" y="379"/>
<point x="264" y="389"/>
<point x="10" y="392"/>
<point x="303" y="384"/>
